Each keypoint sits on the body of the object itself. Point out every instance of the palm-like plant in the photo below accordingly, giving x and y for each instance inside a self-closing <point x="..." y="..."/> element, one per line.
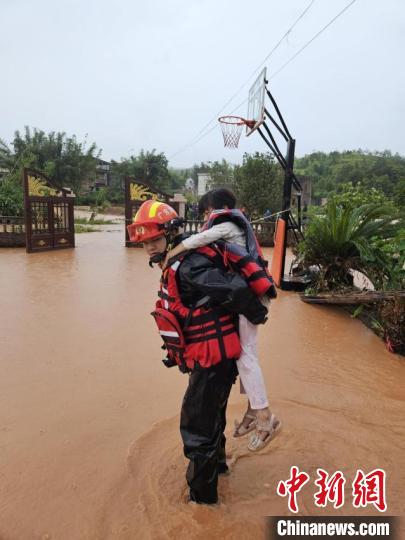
<point x="345" y="239"/>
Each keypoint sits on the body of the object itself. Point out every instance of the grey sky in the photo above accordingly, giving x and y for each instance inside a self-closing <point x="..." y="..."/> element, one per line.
<point x="152" y="74"/>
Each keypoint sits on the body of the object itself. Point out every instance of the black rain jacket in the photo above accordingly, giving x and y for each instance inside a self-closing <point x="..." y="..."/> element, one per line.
<point x="200" y="277"/>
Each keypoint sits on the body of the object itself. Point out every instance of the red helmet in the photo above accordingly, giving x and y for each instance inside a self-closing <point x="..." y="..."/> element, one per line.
<point x="149" y="219"/>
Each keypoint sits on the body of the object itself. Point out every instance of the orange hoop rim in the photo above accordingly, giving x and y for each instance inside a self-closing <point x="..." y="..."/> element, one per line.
<point x="236" y="121"/>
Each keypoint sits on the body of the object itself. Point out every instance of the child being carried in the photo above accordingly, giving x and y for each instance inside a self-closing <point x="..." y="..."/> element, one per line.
<point x="231" y="226"/>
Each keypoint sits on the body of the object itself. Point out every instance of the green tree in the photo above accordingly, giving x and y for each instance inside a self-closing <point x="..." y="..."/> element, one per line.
<point x="399" y="193"/>
<point x="202" y="167"/>
<point x="191" y="197"/>
<point x="115" y="192"/>
<point x="67" y="162"/>
<point x="353" y="196"/>
<point x="380" y="170"/>
<point x="178" y="177"/>
<point x="11" y="198"/>
<point x="221" y="173"/>
<point x="6" y="156"/>
<point x="99" y="202"/>
<point x="259" y="183"/>
<point x="147" y="166"/>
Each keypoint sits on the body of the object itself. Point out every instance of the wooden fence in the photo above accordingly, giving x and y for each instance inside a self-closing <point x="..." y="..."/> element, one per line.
<point x="12" y="231"/>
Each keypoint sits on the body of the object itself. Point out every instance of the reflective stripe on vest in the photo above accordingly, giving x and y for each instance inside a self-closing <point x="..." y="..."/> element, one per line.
<point x="168" y="333"/>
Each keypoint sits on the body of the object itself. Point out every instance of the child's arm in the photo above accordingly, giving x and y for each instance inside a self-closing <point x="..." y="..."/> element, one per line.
<point x="173" y="253"/>
<point x="195" y="241"/>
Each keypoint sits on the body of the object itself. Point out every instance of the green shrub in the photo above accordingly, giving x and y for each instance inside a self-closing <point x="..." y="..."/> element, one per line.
<point x="342" y="239"/>
<point x="348" y="195"/>
<point x="11" y="198"/>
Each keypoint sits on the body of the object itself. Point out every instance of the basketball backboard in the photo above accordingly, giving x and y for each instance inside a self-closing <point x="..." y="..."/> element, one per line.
<point x="256" y="97"/>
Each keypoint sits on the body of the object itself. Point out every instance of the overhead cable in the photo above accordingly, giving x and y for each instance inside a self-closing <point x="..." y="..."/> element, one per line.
<point x="258" y="67"/>
<point x="312" y="39"/>
<point x="214" y="118"/>
<point x="199" y="137"/>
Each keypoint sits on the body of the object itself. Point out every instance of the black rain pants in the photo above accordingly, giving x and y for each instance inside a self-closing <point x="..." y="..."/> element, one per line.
<point x="202" y="425"/>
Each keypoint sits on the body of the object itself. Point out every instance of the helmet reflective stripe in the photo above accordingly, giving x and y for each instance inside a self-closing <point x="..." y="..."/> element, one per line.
<point x="153" y="209"/>
<point x="168" y="333"/>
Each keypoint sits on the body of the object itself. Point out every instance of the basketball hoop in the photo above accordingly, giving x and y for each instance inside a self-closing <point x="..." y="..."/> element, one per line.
<point x="232" y="129"/>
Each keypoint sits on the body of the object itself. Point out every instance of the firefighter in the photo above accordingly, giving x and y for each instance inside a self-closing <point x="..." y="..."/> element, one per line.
<point x="197" y="317"/>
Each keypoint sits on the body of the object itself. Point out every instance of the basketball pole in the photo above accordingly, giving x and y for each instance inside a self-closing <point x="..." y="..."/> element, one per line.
<point x="286" y="162"/>
<point x="256" y="119"/>
<point x="288" y="180"/>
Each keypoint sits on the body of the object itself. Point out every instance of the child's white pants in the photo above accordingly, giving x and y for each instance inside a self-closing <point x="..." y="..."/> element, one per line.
<point x="250" y="373"/>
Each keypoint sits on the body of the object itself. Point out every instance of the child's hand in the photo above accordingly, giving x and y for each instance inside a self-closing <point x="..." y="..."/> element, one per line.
<point x="173" y="253"/>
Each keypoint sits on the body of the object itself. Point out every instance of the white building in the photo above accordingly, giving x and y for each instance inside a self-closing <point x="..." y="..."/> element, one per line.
<point x="189" y="185"/>
<point x="203" y="183"/>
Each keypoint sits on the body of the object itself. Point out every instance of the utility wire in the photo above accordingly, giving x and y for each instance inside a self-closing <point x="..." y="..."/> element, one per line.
<point x="302" y="48"/>
<point x="193" y="142"/>
<point x="263" y="220"/>
<point x="312" y="39"/>
<point x="259" y="67"/>
<point x="247" y="80"/>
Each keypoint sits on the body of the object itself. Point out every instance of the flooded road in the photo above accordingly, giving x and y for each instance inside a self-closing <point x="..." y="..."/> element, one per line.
<point x="89" y="441"/>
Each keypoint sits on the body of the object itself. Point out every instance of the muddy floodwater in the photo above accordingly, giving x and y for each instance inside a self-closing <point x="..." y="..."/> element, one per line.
<point x="89" y="440"/>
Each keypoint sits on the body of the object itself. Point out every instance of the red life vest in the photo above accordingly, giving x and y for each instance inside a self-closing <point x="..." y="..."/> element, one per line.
<point x="202" y="334"/>
<point x="249" y="262"/>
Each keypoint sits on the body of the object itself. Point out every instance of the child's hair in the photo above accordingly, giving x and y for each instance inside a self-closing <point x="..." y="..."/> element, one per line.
<point x="217" y="198"/>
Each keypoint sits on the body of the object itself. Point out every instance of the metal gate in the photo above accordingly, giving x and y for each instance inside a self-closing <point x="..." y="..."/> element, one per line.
<point x="49" y="216"/>
<point x="137" y="192"/>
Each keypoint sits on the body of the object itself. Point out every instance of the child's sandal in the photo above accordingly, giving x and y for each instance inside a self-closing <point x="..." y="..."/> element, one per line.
<point x="241" y="429"/>
<point x="272" y="427"/>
